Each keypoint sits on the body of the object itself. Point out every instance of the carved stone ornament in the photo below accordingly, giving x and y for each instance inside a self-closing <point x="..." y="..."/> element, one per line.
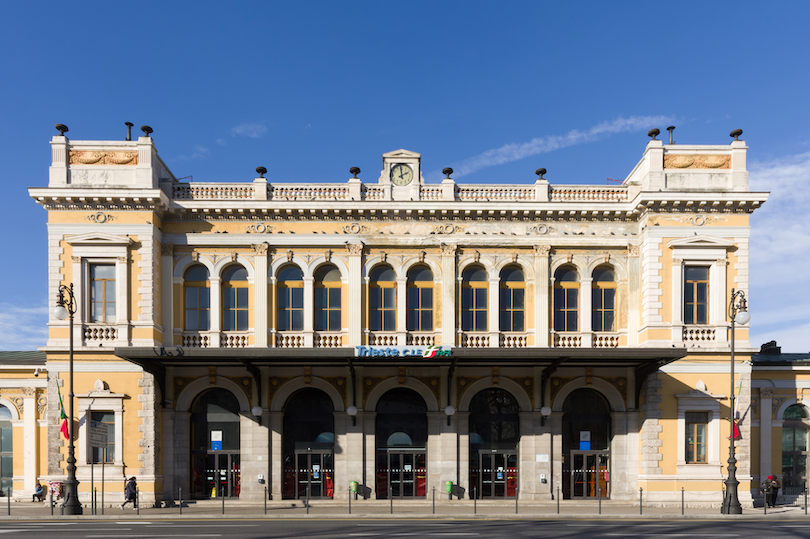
<point x="448" y="249"/>
<point x="354" y="248"/>
<point x="477" y="256"/>
<point x="100" y="217"/>
<point x="766" y="392"/>
<point x="259" y="228"/>
<point x="570" y="258"/>
<point x="355" y="228"/>
<point x="633" y="250"/>
<point x="699" y="220"/>
<point x="697" y="161"/>
<point x="29" y="392"/>
<point x="166" y="249"/>
<point x="327" y="255"/>
<point x="121" y="259"/>
<point x="289" y="255"/>
<point x="75" y="259"/>
<point x="234" y="254"/>
<point x="539" y="229"/>
<point x="383" y="256"/>
<point x="447" y="229"/>
<point x="542" y="250"/>
<point x="260" y="248"/>
<point x="89" y="157"/>
<point x="195" y="256"/>
<point x="100" y="388"/>
<point x="421" y="256"/>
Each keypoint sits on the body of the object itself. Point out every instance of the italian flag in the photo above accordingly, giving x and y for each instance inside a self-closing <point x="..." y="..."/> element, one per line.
<point x="62" y="416"/>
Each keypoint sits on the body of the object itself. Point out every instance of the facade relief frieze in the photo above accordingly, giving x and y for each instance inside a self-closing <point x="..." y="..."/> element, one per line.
<point x="462" y="383"/>
<point x="434" y="384"/>
<point x="339" y="383"/>
<point x="369" y="383"/>
<point x="275" y="384"/>
<point x="89" y="157"/>
<point x="697" y="161"/>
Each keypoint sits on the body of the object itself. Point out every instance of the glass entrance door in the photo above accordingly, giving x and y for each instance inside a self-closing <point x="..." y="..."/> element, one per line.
<point x="223" y="476"/>
<point x="316" y="472"/>
<point x="590" y="474"/>
<point x="402" y="475"/>
<point x="497" y="474"/>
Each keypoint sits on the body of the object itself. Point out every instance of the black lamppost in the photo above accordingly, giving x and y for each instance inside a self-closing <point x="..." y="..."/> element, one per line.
<point x="66" y="308"/>
<point x="738" y="309"/>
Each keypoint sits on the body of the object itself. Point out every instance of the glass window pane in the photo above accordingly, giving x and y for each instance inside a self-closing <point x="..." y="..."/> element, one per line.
<point x="517" y="298"/>
<point x="242" y="298"/>
<point x="227" y="321"/>
<point x="571" y="296"/>
<point x="700" y="315"/>
<point x="390" y="322"/>
<point x="517" y="321"/>
<point x="411" y="320"/>
<point x="571" y="321"/>
<point x="375" y="297"/>
<point x="191" y="320"/>
<point x="559" y="320"/>
<point x="298" y="320"/>
<point x="596" y="298"/>
<point x="466" y="320"/>
<point x="284" y="298"/>
<point x="204" y="295"/>
<point x="97" y="290"/>
<point x="375" y="320"/>
<point x="191" y="298"/>
<point x="480" y="298"/>
<point x="110" y="312"/>
<point x="334" y="298"/>
<point x="427" y="298"/>
<point x="427" y="321"/>
<point x="466" y="298"/>
<point x="334" y="321"/>
<point x="480" y="320"/>
<point x="6" y="439"/>
<point x="787" y="439"/>
<point x="610" y="298"/>
<point x="610" y="324"/>
<point x="412" y="297"/>
<point x="320" y="298"/>
<point x="241" y="320"/>
<point x="596" y="321"/>
<point x="689" y="293"/>
<point x="504" y="321"/>
<point x="559" y="298"/>
<point x="203" y="322"/>
<point x="227" y="298"/>
<point x="297" y="298"/>
<point x="504" y="298"/>
<point x="320" y="320"/>
<point x="102" y="271"/>
<point x="109" y="290"/>
<point x="702" y="292"/>
<point x="389" y="297"/>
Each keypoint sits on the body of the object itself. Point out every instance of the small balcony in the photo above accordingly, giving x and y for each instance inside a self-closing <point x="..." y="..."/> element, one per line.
<point x="99" y="335"/>
<point x="475" y="339"/>
<point x="382" y="338"/>
<point x="422" y="338"/>
<point x="234" y="339"/>
<point x="196" y="339"/>
<point x="514" y="339"/>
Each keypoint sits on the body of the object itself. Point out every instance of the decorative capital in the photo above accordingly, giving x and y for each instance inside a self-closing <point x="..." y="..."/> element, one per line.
<point x="633" y="250"/>
<point x="542" y="250"/>
<point x="355" y="249"/>
<point x="76" y="259"/>
<point x="289" y="255"/>
<point x="122" y="259"/>
<point x="327" y="255"/>
<point x="29" y="392"/>
<point x="195" y="256"/>
<point x="167" y="249"/>
<point x="722" y="262"/>
<point x="421" y="256"/>
<point x="260" y="248"/>
<point x="766" y="392"/>
<point x="448" y="249"/>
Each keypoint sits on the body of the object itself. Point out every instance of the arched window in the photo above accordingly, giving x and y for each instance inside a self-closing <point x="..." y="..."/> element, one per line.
<point x="794" y="446"/>
<point x="290" y="299"/>
<point x="327" y="299"/>
<point x="198" y="298"/>
<point x="512" y="300"/>
<point x="215" y="445"/>
<point x="566" y="299"/>
<point x="603" y="305"/>
<point x="6" y="450"/>
<point x="420" y="299"/>
<point x="235" y="299"/>
<point x="308" y="445"/>
<point x="382" y="299"/>
<point x="474" y="293"/>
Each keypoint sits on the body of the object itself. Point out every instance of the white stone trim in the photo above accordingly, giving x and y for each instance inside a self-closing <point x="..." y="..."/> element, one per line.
<point x="410" y="383"/>
<point x="199" y="385"/>
<point x="611" y="394"/>
<point x="296" y="384"/>
<point x="698" y="401"/>
<point x="514" y="389"/>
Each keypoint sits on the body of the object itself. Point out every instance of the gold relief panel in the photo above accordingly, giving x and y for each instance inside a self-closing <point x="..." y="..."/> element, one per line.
<point x="275" y="384"/>
<point x="557" y="384"/>
<point x="620" y="384"/>
<point x="434" y="384"/>
<point x="527" y="383"/>
<point x="369" y="383"/>
<point x="462" y="383"/>
<point x="697" y="161"/>
<point x="88" y="157"/>
<point x="339" y="383"/>
<point x="180" y="383"/>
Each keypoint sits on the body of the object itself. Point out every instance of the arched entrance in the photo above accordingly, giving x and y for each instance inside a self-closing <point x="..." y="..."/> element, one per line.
<point x="494" y="436"/>
<point x="309" y="445"/>
<point x="6" y="450"/>
<point x="215" y="456"/>
<point x="401" y="434"/>
<point x="586" y="445"/>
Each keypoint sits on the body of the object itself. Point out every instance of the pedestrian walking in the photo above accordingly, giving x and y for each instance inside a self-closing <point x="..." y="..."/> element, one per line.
<point x="766" y="488"/>
<point x="130" y="491"/>
<point x="775" y="486"/>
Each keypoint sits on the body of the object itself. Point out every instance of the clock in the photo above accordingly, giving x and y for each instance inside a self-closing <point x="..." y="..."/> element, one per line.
<point x="401" y="174"/>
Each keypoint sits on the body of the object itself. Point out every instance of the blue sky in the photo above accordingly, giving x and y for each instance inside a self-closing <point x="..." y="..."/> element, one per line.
<point x="493" y="89"/>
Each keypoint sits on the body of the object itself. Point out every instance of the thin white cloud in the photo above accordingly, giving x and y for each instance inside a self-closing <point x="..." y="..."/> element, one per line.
<point x="252" y="130"/>
<point x="221" y="142"/>
<point x="780" y="254"/>
<point x="23" y="328"/>
<point x="197" y="153"/>
<point x="517" y="151"/>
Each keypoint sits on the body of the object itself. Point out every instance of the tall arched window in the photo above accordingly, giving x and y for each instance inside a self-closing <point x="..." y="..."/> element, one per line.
<point x="290" y="299"/>
<point x="197" y="290"/>
<point x="566" y="299"/>
<point x="420" y="299"/>
<point x="794" y="446"/>
<point x="6" y="450"/>
<point x="603" y="305"/>
<point x="327" y="299"/>
<point x="235" y="299"/>
<point x="382" y="299"/>
<point x="512" y="300"/>
<point x="474" y="293"/>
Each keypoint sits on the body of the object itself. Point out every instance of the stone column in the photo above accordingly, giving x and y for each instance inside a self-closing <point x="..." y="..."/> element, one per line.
<point x="254" y="448"/>
<point x="167" y="293"/>
<point x="355" y="305"/>
<point x="368" y="422"/>
<point x="216" y="310"/>
<point x="401" y="328"/>
<point x="309" y="319"/>
<point x="633" y="300"/>
<point x="765" y="431"/>
<point x="448" y="294"/>
<point x="167" y="456"/>
<point x="30" y="439"/>
<point x="260" y="321"/>
<point x="554" y="425"/>
<point x="623" y="458"/>
<point x="462" y="420"/>
<point x="585" y="302"/>
<point x="541" y="298"/>
<point x="276" y="480"/>
<point x="493" y="312"/>
<point x="528" y="477"/>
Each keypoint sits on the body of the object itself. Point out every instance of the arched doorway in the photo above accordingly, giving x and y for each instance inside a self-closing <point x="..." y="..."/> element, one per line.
<point x="309" y="445"/>
<point x="6" y="450"/>
<point x="794" y="449"/>
<point x="586" y="445"/>
<point x="401" y="433"/>
<point x="215" y="456"/>
<point x="494" y="436"/>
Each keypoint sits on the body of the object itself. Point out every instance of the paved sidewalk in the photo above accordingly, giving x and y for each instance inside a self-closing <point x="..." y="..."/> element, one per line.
<point x="457" y="509"/>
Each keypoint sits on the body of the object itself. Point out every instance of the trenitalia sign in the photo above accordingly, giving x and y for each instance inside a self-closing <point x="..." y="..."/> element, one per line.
<point x="429" y="352"/>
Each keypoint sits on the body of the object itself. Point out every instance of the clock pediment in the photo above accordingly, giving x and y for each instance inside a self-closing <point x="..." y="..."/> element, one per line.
<point x="401" y="154"/>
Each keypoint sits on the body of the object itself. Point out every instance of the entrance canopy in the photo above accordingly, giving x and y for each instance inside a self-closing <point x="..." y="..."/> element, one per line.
<point x="644" y="361"/>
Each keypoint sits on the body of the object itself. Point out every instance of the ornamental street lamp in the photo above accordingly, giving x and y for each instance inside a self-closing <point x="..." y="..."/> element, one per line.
<point x="738" y="309"/>
<point x="66" y="308"/>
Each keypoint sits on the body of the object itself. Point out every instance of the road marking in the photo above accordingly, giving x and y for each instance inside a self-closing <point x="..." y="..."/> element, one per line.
<point x="422" y="534"/>
<point x="160" y="535"/>
<point x="673" y="534"/>
<point x="209" y="526"/>
<point x="15" y="531"/>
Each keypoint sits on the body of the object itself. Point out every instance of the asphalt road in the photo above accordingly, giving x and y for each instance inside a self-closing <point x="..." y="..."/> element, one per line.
<point x="328" y="529"/>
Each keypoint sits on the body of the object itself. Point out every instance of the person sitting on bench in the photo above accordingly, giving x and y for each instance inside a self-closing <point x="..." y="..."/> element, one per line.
<point x="39" y="492"/>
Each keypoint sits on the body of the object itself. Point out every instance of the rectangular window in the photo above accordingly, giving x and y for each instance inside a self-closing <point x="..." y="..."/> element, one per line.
<point x="696" y="426"/>
<point x="198" y="304"/>
<point x="97" y="453"/>
<point x="102" y="293"/>
<point x="382" y="309"/>
<point x="420" y="309"/>
<point x="604" y="309"/>
<point x="696" y="295"/>
<point x="235" y="313"/>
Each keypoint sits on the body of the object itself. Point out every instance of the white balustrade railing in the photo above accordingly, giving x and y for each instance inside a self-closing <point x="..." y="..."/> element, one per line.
<point x="328" y="340"/>
<point x="376" y="338"/>
<point x="234" y="339"/>
<point x="373" y="193"/>
<point x="212" y="191"/>
<point x="309" y="192"/>
<point x="513" y="339"/>
<point x="430" y="192"/>
<point x="568" y="340"/>
<point x="694" y="334"/>
<point x="605" y="340"/>
<point x="587" y="193"/>
<point x="290" y="339"/>
<point x="421" y="338"/>
<point x="475" y="339"/>
<point x="195" y="339"/>
<point x="100" y="333"/>
<point x="486" y="193"/>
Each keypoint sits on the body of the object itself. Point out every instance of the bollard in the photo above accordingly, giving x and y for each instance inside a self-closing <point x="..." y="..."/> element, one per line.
<point x="265" y="501"/>
<point x="517" y="495"/>
<point x="599" y="493"/>
<point x="448" y="486"/>
<point x="50" y="497"/>
<point x="764" y="505"/>
<point x="681" y="501"/>
<point x="475" y="501"/>
<point x="307" y="498"/>
<point x="434" y="500"/>
<point x="558" y="499"/>
<point x="137" y="501"/>
<point x="805" y="499"/>
<point x="180" y="495"/>
<point x="391" y="499"/>
<point x="350" y="500"/>
<point x="8" y="500"/>
<point x="640" y="500"/>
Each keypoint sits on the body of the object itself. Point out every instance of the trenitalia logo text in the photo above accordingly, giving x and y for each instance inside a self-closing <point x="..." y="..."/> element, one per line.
<point x="430" y="352"/>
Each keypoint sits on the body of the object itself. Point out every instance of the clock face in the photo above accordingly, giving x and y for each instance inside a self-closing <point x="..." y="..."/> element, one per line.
<point x="401" y="174"/>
